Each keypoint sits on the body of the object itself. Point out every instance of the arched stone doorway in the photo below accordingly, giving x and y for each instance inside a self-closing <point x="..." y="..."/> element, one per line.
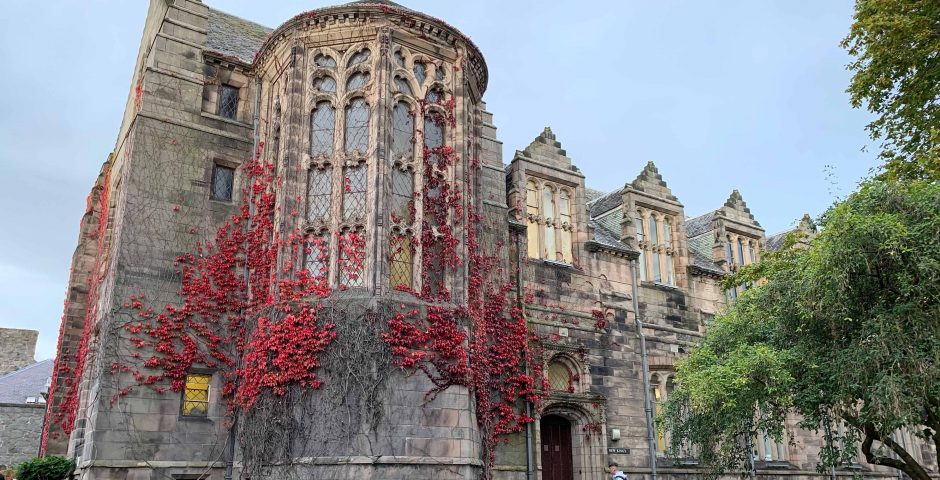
<point x="557" y="459"/>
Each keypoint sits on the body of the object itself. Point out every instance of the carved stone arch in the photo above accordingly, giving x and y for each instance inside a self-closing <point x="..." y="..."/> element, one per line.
<point x="580" y="375"/>
<point x="353" y="50"/>
<point x="588" y="432"/>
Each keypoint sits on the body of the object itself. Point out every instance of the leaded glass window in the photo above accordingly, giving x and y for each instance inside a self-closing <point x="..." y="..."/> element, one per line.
<point x="325" y="84"/>
<point x="196" y="395"/>
<point x="357" y="126"/>
<point x="399" y="58"/>
<point x="439" y="73"/>
<point x="319" y="195"/>
<point x="223" y="181"/>
<point x="420" y="71"/>
<point x="354" y="192"/>
<point x="357" y="80"/>
<point x="324" y="61"/>
<point x="435" y="95"/>
<point x="401" y="85"/>
<point x="402" y="196"/>
<point x="352" y="248"/>
<point x="403" y="131"/>
<point x="433" y="138"/>
<point x="228" y="101"/>
<point x="317" y="261"/>
<point x="359" y="57"/>
<point x="559" y="377"/>
<point x="401" y="267"/>
<point x="322" y="124"/>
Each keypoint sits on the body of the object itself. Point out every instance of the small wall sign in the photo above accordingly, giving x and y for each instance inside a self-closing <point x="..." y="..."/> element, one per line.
<point x="621" y="451"/>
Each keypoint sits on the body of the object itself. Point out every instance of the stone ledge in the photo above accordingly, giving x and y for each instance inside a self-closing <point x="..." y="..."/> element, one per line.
<point x="387" y="460"/>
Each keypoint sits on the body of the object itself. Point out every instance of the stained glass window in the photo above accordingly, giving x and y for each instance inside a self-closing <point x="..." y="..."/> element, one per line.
<point x="319" y="195"/>
<point x="401" y="268"/>
<point x="352" y="247"/>
<point x="403" y="130"/>
<point x="357" y="126"/>
<point x="223" y="180"/>
<point x="325" y="84"/>
<point x="322" y="124"/>
<point x="357" y="80"/>
<point x="228" y="101"/>
<point x="196" y="395"/>
<point x="421" y="72"/>
<point x="401" y="85"/>
<point x="358" y="57"/>
<point x="317" y="261"/>
<point x="402" y="196"/>
<point x="324" y="61"/>
<point x="354" y="192"/>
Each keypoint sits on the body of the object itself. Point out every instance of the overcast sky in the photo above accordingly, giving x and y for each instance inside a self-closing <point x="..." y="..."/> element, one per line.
<point x="720" y="94"/>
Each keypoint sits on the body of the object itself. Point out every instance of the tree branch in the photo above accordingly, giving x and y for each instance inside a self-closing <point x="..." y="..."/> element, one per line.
<point x="907" y="465"/>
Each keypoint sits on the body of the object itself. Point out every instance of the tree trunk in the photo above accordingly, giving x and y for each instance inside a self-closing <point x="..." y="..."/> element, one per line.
<point x="906" y="464"/>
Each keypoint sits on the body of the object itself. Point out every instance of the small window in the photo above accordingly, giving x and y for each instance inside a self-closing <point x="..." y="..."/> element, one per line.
<point x="359" y="57"/>
<point x="399" y="59"/>
<point x="325" y="84"/>
<point x="223" y="179"/>
<point x="439" y="73"/>
<point x="401" y="85"/>
<point x="421" y="72"/>
<point x="196" y="395"/>
<point x="228" y="101"/>
<point x="357" y="80"/>
<point x="324" y="61"/>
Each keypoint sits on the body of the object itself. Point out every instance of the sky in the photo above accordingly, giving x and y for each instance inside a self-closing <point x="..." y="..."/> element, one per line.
<point x="721" y="95"/>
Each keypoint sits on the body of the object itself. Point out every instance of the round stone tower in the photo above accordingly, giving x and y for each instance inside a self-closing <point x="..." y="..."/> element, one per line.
<point x="371" y="113"/>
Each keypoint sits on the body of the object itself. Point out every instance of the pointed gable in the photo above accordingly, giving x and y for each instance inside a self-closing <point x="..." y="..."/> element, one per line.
<point x="735" y="209"/>
<point x="650" y="182"/>
<point x="546" y="149"/>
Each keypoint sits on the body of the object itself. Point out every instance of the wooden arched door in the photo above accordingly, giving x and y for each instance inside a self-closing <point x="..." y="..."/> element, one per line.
<point x="556" y="448"/>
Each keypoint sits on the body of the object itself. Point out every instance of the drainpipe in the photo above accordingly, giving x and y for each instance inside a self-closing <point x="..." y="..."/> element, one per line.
<point x="648" y="406"/>
<point x="529" y="464"/>
<point x="256" y="123"/>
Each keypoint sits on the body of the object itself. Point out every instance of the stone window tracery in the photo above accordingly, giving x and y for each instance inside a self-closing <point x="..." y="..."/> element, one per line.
<point x="325" y="84"/>
<point x="359" y="57"/>
<point x="420" y="72"/>
<point x="324" y="61"/>
<point x="357" y="127"/>
<point x="549" y="221"/>
<point x="357" y="81"/>
<point x="654" y="233"/>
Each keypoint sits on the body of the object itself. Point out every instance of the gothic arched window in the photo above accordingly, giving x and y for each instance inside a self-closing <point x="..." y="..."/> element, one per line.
<point x="354" y="192"/>
<point x="322" y="122"/>
<point x="357" y="81"/>
<point x="532" y="212"/>
<point x="325" y="84"/>
<point x="317" y="260"/>
<point x="324" y="61"/>
<point x="319" y="195"/>
<point x="359" y="57"/>
<point x="357" y="126"/>
<point x="420" y="71"/>
<point x="403" y="131"/>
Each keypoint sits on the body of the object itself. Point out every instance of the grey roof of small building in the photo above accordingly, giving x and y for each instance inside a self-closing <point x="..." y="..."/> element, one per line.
<point x="29" y="381"/>
<point x="604" y="203"/>
<point x="699" y="225"/>
<point x="705" y="262"/>
<point x="607" y="238"/>
<point x="234" y="36"/>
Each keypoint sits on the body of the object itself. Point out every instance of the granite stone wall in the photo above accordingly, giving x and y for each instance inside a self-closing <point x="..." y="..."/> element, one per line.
<point x="20" y="428"/>
<point x="17" y="349"/>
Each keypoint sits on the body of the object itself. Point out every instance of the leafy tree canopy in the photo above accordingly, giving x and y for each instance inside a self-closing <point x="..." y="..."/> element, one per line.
<point x="896" y="45"/>
<point x="843" y="330"/>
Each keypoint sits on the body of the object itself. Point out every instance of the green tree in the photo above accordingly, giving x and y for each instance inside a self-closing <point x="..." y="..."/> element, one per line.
<point x="897" y="75"/>
<point x="842" y="330"/>
<point x="45" y="468"/>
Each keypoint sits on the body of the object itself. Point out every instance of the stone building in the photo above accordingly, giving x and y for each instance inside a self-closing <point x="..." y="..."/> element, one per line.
<point x="23" y="388"/>
<point x="339" y="95"/>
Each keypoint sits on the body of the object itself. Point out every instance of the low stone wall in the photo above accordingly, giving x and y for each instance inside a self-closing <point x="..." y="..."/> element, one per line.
<point x="20" y="431"/>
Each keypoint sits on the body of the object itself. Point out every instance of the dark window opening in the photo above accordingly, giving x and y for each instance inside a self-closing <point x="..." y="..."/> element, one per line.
<point x="223" y="180"/>
<point x="228" y="101"/>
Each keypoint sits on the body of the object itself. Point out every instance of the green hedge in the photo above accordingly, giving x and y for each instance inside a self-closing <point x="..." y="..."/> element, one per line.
<point x="45" y="468"/>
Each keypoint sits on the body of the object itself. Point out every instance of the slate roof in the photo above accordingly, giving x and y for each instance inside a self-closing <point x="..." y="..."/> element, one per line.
<point x="28" y="381"/>
<point x="605" y="203"/>
<point x="775" y="242"/>
<point x="705" y="262"/>
<point x="234" y="36"/>
<point x="607" y="238"/>
<point x="591" y="194"/>
<point x="699" y="225"/>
